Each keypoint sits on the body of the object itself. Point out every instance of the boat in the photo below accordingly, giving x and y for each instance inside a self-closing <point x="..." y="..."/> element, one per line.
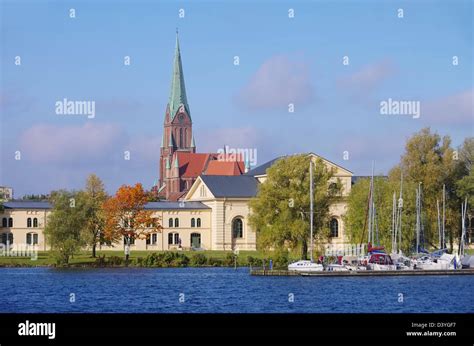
<point x="381" y="261"/>
<point x="305" y="266"/>
<point x="445" y="262"/>
<point x="308" y="265"/>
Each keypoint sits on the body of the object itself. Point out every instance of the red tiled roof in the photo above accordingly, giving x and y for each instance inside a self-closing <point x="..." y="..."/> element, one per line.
<point x="191" y="165"/>
<point x="217" y="167"/>
<point x="175" y="196"/>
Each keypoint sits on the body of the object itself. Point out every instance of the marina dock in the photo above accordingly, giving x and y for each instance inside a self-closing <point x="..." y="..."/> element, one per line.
<point x="267" y="272"/>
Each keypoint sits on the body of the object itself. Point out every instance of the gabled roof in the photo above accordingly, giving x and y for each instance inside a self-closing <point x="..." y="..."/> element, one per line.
<point x="191" y="165"/>
<point x="231" y="186"/>
<point x="27" y="205"/>
<point x="216" y="167"/>
<point x="262" y="169"/>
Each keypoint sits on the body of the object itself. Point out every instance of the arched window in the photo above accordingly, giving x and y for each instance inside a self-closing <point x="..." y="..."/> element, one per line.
<point x="32" y="238"/>
<point x="35" y="222"/>
<point x="181" y="139"/>
<point x="170" y="222"/>
<point x="237" y="228"/>
<point x="193" y="222"/>
<point x="28" y="222"/>
<point x="173" y="238"/>
<point x="7" y="237"/>
<point x="334" y="228"/>
<point x="151" y="239"/>
<point x="4" y="222"/>
<point x="176" y="222"/>
<point x="199" y="222"/>
<point x="10" y="222"/>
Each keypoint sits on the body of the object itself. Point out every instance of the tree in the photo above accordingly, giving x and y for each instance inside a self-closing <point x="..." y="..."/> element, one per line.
<point x="465" y="170"/>
<point x="65" y="224"/>
<point x="125" y="215"/>
<point x="281" y="210"/>
<point x="429" y="160"/>
<point x="95" y="197"/>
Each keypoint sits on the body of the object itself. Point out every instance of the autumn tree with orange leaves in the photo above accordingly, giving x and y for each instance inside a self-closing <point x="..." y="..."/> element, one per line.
<point x="125" y="215"/>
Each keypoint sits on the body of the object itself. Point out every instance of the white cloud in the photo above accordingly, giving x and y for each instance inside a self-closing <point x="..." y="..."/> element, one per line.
<point x="278" y="82"/>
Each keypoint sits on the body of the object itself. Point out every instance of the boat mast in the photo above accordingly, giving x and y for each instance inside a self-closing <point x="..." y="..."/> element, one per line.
<point x="444" y="218"/>
<point x="311" y="207"/>
<point x="371" y="207"/>
<point x="418" y="219"/>
<point x="463" y="227"/>
<point x="440" y="236"/>
<point x="394" y="232"/>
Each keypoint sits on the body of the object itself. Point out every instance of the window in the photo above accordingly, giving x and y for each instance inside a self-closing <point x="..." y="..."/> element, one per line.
<point x="10" y="222"/>
<point x="334" y="228"/>
<point x="151" y="239"/>
<point x="6" y="237"/>
<point x="32" y="238"/>
<point x="4" y="222"/>
<point x="173" y="239"/>
<point x="181" y="139"/>
<point x="176" y="222"/>
<point x="202" y="191"/>
<point x="237" y="228"/>
<point x="28" y="222"/>
<point x="193" y="222"/>
<point x="170" y="222"/>
<point x="35" y="222"/>
<point x="199" y="222"/>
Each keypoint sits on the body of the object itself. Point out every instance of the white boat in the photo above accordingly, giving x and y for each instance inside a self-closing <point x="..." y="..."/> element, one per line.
<point x="334" y="267"/>
<point x="445" y="262"/>
<point x="305" y="266"/>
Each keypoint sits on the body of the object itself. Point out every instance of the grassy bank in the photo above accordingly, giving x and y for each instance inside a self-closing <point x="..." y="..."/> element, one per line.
<point x="149" y="259"/>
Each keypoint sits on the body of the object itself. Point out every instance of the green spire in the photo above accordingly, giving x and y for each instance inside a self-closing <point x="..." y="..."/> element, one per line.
<point x="178" y="90"/>
<point x="176" y="164"/>
<point x="193" y="144"/>
<point x="168" y="163"/>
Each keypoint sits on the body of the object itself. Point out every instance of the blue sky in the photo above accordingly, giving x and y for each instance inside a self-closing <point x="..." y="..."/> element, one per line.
<point x="244" y="106"/>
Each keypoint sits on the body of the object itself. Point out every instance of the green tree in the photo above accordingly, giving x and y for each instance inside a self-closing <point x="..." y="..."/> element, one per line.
<point x="281" y="209"/>
<point x="465" y="170"/>
<point x="95" y="196"/>
<point x="63" y="230"/>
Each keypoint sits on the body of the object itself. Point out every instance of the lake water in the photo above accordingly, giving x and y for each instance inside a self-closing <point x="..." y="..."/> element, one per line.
<point x="215" y="290"/>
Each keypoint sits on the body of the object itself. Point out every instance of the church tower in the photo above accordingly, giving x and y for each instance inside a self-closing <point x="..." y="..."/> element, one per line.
<point x="177" y="131"/>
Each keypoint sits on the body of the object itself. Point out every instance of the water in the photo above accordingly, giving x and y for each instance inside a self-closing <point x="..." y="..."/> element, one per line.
<point x="215" y="290"/>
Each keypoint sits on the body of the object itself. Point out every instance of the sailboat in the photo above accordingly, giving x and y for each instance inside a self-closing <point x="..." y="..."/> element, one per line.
<point x="308" y="265"/>
<point x="378" y="259"/>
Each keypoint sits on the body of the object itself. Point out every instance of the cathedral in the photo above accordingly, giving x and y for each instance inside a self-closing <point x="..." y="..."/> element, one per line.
<point x="180" y="164"/>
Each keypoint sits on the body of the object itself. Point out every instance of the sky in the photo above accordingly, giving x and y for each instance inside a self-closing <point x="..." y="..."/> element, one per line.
<point x="289" y="52"/>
